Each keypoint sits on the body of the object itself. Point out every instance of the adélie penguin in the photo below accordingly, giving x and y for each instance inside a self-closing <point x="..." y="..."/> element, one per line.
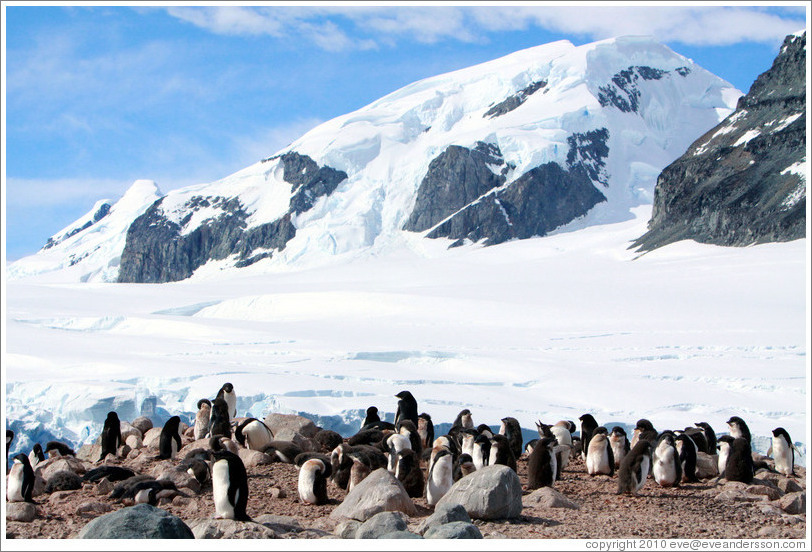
<point x="634" y="469"/>
<point x="20" y="483"/>
<point x="229" y="482"/>
<point x="783" y="452"/>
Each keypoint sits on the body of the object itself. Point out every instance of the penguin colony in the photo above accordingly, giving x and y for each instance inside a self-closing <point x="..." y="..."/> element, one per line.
<point x="427" y="466"/>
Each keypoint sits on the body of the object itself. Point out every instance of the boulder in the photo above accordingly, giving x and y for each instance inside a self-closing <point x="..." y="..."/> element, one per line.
<point x="199" y="444"/>
<point x="127" y="429"/>
<point x="181" y="479"/>
<point x="347" y="528"/>
<point x="152" y="438"/>
<point x="400" y="535"/>
<point x="492" y="492"/>
<point x="454" y="530"/>
<point x="20" y="511"/>
<point x="764" y="490"/>
<point x="137" y="522"/>
<point x="547" y="497"/>
<point x="793" y="503"/>
<point x="298" y="424"/>
<point x="254" y="458"/>
<point x="88" y="453"/>
<point x="787" y="485"/>
<point x="378" y="492"/>
<point x="142" y="424"/>
<point x="230" y="529"/>
<point x="381" y="524"/>
<point x="445" y="513"/>
<point x="707" y="465"/>
<point x="60" y="463"/>
<point x="307" y="445"/>
<point x="279" y="524"/>
<point x="134" y="442"/>
<point x="93" y="509"/>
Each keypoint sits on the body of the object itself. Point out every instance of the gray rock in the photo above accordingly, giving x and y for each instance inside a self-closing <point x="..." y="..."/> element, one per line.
<point x="764" y="490"/>
<point x="492" y="492"/>
<point x="707" y="465"/>
<point x="253" y="458"/>
<point x="51" y="466"/>
<point x="152" y="438"/>
<point x="379" y="492"/>
<point x="454" y="530"/>
<point x="793" y="503"/>
<point x="127" y="430"/>
<point x="21" y="511"/>
<point x="347" y="528"/>
<point x="137" y="522"/>
<point x="279" y="524"/>
<point x="400" y="535"/>
<point x="444" y="513"/>
<point x="181" y="478"/>
<point x="93" y="509"/>
<point x="134" y="441"/>
<point x="788" y="485"/>
<point x="142" y="424"/>
<point x="89" y="453"/>
<point x="298" y="424"/>
<point x="547" y="497"/>
<point x="287" y="434"/>
<point x="230" y="529"/>
<point x="381" y="524"/>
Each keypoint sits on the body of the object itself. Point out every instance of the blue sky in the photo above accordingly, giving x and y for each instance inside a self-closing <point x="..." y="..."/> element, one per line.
<point x="97" y="97"/>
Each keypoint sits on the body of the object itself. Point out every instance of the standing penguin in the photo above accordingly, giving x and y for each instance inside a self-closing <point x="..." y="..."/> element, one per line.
<point x="371" y="417"/>
<point x="394" y="444"/>
<point x="620" y="444"/>
<point x="644" y="430"/>
<point x="253" y="434"/>
<point x="441" y="477"/>
<point x="9" y="439"/>
<point x="723" y="444"/>
<point x="463" y="466"/>
<point x="738" y="428"/>
<point x="408" y="472"/>
<point x="425" y="428"/>
<point x="111" y="435"/>
<point x="36" y="455"/>
<point x="408" y="429"/>
<point x="698" y="437"/>
<point x="542" y="464"/>
<point x="599" y="456"/>
<point x="20" y="484"/>
<point x="170" y="442"/>
<point x="687" y="450"/>
<point x="55" y="448"/>
<point x="512" y="430"/>
<point x="202" y="418"/>
<point x="481" y="451"/>
<point x="783" y="452"/>
<point x="634" y="469"/>
<point x="227" y="393"/>
<point x="739" y="465"/>
<point x="220" y="420"/>
<point x="464" y="420"/>
<point x="588" y="425"/>
<point x="710" y="436"/>
<point x="313" y="481"/>
<point x="666" y="465"/>
<point x="407" y="408"/>
<point x="501" y="452"/>
<point x="229" y="482"/>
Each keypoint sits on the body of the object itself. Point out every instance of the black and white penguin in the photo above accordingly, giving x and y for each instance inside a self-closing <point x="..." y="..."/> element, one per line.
<point x="485" y="429"/>
<point x="783" y="452"/>
<point x="371" y="417"/>
<point x="441" y="477"/>
<point x="20" y="483"/>
<point x="229" y="482"/>
<point x="283" y="451"/>
<point x="588" y="425"/>
<point x="464" y="420"/>
<point x="341" y="463"/>
<point x="220" y="419"/>
<point x="463" y="466"/>
<point x="408" y="472"/>
<point x="697" y="435"/>
<point x="55" y="448"/>
<point x="739" y="465"/>
<point x="394" y="444"/>
<point x="112" y="473"/>
<point x="530" y="445"/>
<point x="665" y="464"/>
<point x="634" y="469"/>
<point x="710" y="436"/>
<point x="407" y="408"/>
<point x="425" y="428"/>
<point x="253" y="434"/>
<point x="443" y="442"/>
<point x="599" y="457"/>
<point x="723" y="446"/>
<point x="620" y="444"/>
<point x="327" y="440"/>
<point x="561" y="430"/>
<point x="511" y="429"/>
<point x="9" y="439"/>
<point x="502" y="452"/>
<point x="227" y="393"/>
<point x="687" y="450"/>
<point x="202" y="419"/>
<point x="408" y="429"/>
<point x="466" y="441"/>
<point x="111" y="436"/>
<point x="313" y="481"/>
<point x="481" y="451"/>
<point x="542" y="464"/>
<point x="170" y="442"/>
<point x="36" y="455"/>
<point x="644" y="429"/>
<point x="738" y="428"/>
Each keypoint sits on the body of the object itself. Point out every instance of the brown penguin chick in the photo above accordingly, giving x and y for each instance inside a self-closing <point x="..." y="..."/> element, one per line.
<point x="408" y="472"/>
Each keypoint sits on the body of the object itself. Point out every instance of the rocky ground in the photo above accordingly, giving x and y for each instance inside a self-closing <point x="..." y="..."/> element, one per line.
<point x="773" y="507"/>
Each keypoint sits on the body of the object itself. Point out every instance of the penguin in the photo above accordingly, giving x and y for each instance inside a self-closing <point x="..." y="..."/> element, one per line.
<point x="634" y="469"/>
<point x="253" y="434"/>
<point x="561" y="431"/>
<point x="170" y="442"/>
<point x="408" y="472"/>
<point x="327" y="440"/>
<point x="588" y="425"/>
<point x="20" y="483"/>
<point x="227" y="393"/>
<point x="644" y="429"/>
<point x="284" y="451"/>
<point x="313" y="481"/>
<point x="147" y="496"/>
<point x="463" y="466"/>
<point x="408" y="429"/>
<point x="710" y="436"/>
<point x="111" y="435"/>
<point x="202" y="418"/>
<point x="511" y="429"/>
<point x="358" y="472"/>
<point x="530" y="445"/>
<point x="112" y="473"/>
<point x="739" y="465"/>
<point x="738" y="428"/>
<point x="371" y="417"/>
<point x="620" y="444"/>
<point x="723" y="445"/>
<point x="441" y="477"/>
<point x="341" y="464"/>
<point x="687" y="450"/>
<point x="665" y="463"/>
<point x="599" y="457"/>
<point x="36" y="455"/>
<point x="467" y="438"/>
<point x="501" y="452"/>
<point x="443" y="442"/>
<point x="464" y="420"/>
<point x="55" y="448"/>
<point x="407" y="408"/>
<point x="220" y="419"/>
<point x="698" y="437"/>
<point x="783" y="452"/>
<point x="425" y="428"/>
<point x="484" y="429"/>
<point x="9" y="439"/>
<point x="229" y="482"/>
<point x="394" y="444"/>
<point x="481" y="451"/>
<point x="542" y="465"/>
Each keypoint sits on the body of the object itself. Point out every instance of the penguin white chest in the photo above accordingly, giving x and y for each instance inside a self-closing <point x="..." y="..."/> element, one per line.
<point x="782" y="454"/>
<point x="645" y="466"/>
<point x="231" y="401"/>
<point x="440" y="481"/>
<point x="220" y="483"/>
<point x="14" y="485"/>
<point x="724" y="451"/>
<point x="597" y="459"/>
<point x="665" y="471"/>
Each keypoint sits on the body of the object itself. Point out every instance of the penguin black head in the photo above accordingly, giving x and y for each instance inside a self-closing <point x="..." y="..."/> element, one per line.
<point x="667" y="436"/>
<point x="600" y="430"/>
<point x="548" y="442"/>
<point x="228" y="388"/>
<point x="484" y="429"/>
<point x="728" y="439"/>
<point x="781" y="432"/>
<point x="37" y="449"/>
<point x="22" y="459"/>
<point x="112" y="417"/>
<point x="543" y="429"/>
<point x="644" y="425"/>
<point x="619" y="431"/>
<point x="703" y="425"/>
<point x="372" y="410"/>
<point x="571" y="426"/>
<point x="201" y="402"/>
<point x="425" y="417"/>
<point x="739" y="428"/>
<point x="587" y="418"/>
<point x="464" y="412"/>
<point x="407" y="459"/>
<point x="406" y="425"/>
<point x="405" y="395"/>
<point x="173" y="423"/>
<point x="530" y="445"/>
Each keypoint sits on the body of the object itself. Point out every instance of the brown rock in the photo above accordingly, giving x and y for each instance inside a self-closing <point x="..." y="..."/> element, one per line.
<point x="93" y="509"/>
<point x="254" y="458"/>
<point x="707" y="465"/>
<point x="181" y="479"/>
<point x="142" y="424"/>
<point x="60" y="463"/>
<point x="134" y="441"/>
<point x="764" y="490"/>
<point x="379" y="492"/>
<point x="547" y="497"/>
<point x="793" y="503"/>
<point x="104" y="487"/>
<point x="89" y="453"/>
<point x="788" y="485"/>
<point x="152" y="438"/>
<point x="21" y="511"/>
<point x="298" y="424"/>
<point x="229" y="529"/>
<point x="277" y="492"/>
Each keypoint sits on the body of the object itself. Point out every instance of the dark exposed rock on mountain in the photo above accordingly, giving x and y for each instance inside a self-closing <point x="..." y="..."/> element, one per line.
<point x="99" y="214"/>
<point x="514" y="101"/>
<point x="744" y="181"/>
<point x="157" y="250"/>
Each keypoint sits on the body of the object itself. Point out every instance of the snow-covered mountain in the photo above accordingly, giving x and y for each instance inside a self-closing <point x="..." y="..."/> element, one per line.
<point x="552" y="138"/>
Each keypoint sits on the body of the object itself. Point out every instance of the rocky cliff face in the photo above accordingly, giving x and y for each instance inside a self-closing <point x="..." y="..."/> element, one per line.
<point x="744" y="181"/>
